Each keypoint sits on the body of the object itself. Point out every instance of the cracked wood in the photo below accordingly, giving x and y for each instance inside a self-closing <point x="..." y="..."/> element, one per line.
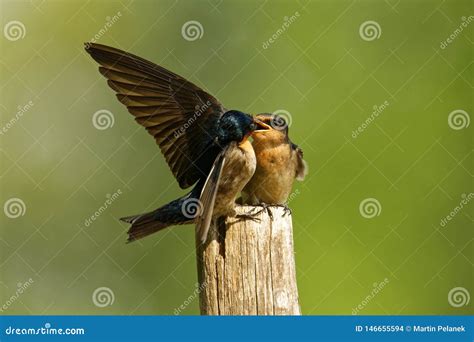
<point x="247" y="267"/>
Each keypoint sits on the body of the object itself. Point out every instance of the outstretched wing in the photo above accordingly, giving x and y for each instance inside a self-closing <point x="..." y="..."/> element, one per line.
<point x="177" y="113"/>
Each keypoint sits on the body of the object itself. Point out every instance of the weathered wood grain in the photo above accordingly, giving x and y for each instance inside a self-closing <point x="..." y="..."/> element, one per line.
<point x="247" y="267"/>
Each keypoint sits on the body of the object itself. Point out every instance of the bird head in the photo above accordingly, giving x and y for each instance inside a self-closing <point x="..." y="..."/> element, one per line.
<point x="276" y="133"/>
<point x="238" y="126"/>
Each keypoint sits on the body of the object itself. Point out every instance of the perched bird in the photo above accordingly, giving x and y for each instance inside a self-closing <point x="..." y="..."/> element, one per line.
<point x="204" y="144"/>
<point x="279" y="163"/>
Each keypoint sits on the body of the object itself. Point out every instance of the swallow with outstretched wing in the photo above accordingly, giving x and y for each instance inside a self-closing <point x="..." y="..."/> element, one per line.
<point x="205" y="145"/>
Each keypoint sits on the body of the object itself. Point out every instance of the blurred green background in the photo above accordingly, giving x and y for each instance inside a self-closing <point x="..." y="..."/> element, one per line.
<point x="321" y="71"/>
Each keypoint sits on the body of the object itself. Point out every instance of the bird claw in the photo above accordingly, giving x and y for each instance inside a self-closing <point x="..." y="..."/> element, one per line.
<point x="249" y="216"/>
<point x="286" y="210"/>
<point x="265" y="207"/>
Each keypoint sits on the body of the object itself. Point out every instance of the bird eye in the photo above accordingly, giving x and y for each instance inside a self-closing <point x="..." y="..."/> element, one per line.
<point x="278" y="122"/>
<point x="253" y="126"/>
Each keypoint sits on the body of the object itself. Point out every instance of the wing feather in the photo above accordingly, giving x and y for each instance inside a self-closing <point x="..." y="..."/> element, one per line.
<point x="208" y="195"/>
<point x="177" y="113"/>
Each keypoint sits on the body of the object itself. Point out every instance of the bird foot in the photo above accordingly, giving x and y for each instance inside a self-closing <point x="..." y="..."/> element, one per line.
<point x="249" y="216"/>
<point x="265" y="207"/>
<point x="286" y="210"/>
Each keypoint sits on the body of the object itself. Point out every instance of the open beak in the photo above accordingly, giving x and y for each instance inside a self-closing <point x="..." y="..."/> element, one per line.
<point x="262" y="126"/>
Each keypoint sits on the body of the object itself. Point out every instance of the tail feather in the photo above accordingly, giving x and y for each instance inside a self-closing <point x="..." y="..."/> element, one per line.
<point x="145" y="224"/>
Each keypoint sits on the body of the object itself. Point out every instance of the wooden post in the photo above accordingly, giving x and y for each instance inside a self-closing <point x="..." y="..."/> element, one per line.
<point x="247" y="267"/>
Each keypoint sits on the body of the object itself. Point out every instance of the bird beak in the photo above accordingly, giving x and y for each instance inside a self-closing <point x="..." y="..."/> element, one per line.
<point x="262" y="126"/>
